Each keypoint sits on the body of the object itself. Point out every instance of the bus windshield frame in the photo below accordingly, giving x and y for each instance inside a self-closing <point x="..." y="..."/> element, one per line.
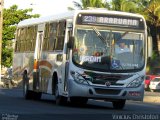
<point x="108" y="61"/>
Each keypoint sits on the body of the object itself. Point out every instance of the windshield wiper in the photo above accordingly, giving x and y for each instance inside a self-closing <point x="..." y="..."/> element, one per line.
<point x="122" y="35"/>
<point x="100" y="36"/>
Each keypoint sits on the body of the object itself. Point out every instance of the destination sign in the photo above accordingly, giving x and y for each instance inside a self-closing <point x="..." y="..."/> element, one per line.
<point x="110" y="20"/>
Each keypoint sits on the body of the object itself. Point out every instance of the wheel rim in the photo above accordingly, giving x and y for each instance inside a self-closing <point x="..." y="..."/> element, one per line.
<point x="56" y="91"/>
<point x="25" y="85"/>
<point x="25" y="88"/>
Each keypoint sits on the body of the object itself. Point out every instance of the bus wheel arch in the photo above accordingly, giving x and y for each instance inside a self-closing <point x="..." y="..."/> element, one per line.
<point x="27" y="93"/>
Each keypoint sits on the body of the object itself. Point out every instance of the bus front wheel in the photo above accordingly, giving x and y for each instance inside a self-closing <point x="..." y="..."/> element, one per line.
<point x="118" y="104"/>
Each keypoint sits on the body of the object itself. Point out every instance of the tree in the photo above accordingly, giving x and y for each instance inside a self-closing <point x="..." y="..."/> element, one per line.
<point x="124" y="5"/>
<point x="152" y="15"/>
<point x="89" y="3"/>
<point x="11" y="17"/>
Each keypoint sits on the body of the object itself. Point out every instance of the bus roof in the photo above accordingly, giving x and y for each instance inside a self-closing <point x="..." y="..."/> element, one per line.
<point x="70" y="15"/>
<point x="40" y="20"/>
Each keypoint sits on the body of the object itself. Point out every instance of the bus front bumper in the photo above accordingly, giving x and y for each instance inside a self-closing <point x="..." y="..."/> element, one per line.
<point x="104" y="92"/>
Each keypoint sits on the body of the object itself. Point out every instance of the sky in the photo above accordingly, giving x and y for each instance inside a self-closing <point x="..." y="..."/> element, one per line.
<point x="42" y="7"/>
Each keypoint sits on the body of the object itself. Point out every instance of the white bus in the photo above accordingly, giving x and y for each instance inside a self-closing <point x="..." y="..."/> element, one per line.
<point x="73" y="56"/>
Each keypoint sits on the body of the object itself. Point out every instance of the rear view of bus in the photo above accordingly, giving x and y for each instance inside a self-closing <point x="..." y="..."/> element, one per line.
<point x="99" y="68"/>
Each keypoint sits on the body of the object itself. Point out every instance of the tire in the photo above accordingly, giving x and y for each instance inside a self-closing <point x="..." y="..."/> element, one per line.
<point x="26" y="93"/>
<point x="78" y="100"/>
<point x="60" y="100"/>
<point x="118" y="104"/>
<point x="37" y="95"/>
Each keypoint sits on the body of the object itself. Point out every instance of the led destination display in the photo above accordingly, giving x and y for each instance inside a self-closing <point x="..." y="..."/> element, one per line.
<point x="110" y="20"/>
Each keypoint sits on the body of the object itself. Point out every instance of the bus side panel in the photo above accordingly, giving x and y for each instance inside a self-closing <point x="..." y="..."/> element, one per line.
<point x="22" y="62"/>
<point x="49" y="65"/>
<point x="45" y="67"/>
<point x="18" y="66"/>
<point x="29" y="62"/>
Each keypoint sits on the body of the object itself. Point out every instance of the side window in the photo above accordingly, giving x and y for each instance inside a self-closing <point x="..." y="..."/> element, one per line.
<point x="33" y="40"/>
<point x="46" y="37"/>
<point x="25" y="39"/>
<point x="28" y="38"/>
<point x="17" y="46"/>
<point x="61" y="35"/>
<point x="52" y="35"/>
<point x="22" y="39"/>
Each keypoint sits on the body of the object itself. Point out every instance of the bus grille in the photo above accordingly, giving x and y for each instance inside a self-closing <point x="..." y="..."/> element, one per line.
<point x="107" y="91"/>
<point x="101" y="79"/>
<point x="102" y="82"/>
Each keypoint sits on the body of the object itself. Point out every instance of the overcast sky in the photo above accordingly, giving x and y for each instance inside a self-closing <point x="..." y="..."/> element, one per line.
<point x="42" y="7"/>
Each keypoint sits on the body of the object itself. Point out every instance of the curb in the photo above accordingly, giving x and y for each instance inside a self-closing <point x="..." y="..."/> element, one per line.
<point x="151" y="99"/>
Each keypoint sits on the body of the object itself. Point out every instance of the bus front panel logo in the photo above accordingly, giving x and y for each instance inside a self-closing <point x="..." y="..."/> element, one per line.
<point x="108" y="83"/>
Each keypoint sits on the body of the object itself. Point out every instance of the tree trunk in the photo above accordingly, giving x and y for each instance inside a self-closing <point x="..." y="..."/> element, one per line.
<point x="154" y="34"/>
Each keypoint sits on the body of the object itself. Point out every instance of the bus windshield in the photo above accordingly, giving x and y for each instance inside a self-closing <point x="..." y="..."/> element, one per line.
<point x="107" y="50"/>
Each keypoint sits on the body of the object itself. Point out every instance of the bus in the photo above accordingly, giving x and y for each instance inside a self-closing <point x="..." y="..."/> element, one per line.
<point x="73" y="56"/>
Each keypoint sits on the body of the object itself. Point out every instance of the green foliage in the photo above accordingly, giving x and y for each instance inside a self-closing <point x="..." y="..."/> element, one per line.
<point x="152" y="12"/>
<point x="154" y="56"/>
<point x="153" y="62"/>
<point x="150" y="9"/>
<point x="89" y="3"/>
<point x="11" y="17"/>
<point x="133" y="6"/>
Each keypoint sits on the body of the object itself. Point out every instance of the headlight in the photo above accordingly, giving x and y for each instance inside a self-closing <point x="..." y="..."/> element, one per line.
<point x="79" y="78"/>
<point x="136" y="83"/>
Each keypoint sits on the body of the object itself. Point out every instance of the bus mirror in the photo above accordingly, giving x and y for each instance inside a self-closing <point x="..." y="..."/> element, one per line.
<point x="70" y="42"/>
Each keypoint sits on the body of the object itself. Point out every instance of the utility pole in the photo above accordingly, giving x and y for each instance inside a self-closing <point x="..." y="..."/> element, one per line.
<point x="1" y="28"/>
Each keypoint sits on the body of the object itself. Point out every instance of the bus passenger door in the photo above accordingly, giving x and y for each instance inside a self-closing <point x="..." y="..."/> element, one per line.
<point x="66" y="51"/>
<point x="37" y="59"/>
